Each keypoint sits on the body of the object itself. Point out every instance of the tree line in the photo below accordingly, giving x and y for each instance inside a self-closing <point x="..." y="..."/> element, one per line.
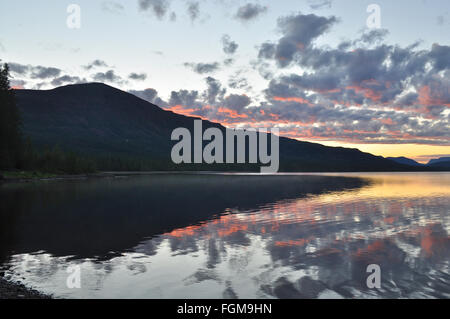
<point x="17" y="151"/>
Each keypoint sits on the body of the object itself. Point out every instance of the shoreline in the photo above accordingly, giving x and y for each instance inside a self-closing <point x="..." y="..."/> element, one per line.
<point x="124" y="174"/>
<point x="6" y="179"/>
<point x="13" y="290"/>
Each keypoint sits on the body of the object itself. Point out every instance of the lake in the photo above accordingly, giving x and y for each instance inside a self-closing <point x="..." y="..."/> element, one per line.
<point x="230" y="235"/>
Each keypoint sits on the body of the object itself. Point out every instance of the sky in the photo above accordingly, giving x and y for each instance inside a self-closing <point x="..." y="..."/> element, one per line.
<point x="373" y="75"/>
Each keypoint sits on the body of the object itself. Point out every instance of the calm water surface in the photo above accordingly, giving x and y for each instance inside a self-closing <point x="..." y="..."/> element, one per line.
<point x="230" y="236"/>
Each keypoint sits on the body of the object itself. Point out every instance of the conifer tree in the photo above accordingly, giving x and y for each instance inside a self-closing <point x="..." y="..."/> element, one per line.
<point x="10" y="123"/>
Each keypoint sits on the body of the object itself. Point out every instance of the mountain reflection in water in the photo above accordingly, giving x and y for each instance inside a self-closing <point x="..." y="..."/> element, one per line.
<point x="231" y="236"/>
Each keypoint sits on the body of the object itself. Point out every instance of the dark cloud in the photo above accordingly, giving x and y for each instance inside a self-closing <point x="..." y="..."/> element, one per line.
<point x="202" y="68"/>
<point x="250" y="11"/>
<point x="298" y="33"/>
<point x="66" y="79"/>
<point x="193" y="10"/>
<point x="158" y="7"/>
<point x="214" y="92"/>
<point x="236" y="102"/>
<point x="266" y="51"/>
<point x="408" y="99"/>
<point x="42" y="72"/>
<point x="96" y="64"/>
<point x="147" y="94"/>
<point x="137" y="76"/>
<point x="440" y="55"/>
<point x="108" y="76"/>
<point x="183" y="97"/>
<point x="150" y="95"/>
<point x="372" y="36"/>
<point x="229" y="46"/>
<point x="34" y="72"/>
<point x="19" y="68"/>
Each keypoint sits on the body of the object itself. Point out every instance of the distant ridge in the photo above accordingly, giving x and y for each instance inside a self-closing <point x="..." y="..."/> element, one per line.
<point x="442" y="162"/>
<point x="404" y="160"/>
<point x="98" y="120"/>
<point x="438" y="160"/>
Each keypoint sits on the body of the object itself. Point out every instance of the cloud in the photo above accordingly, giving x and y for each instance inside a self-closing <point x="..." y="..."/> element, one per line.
<point x="372" y="36"/>
<point x="214" y="91"/>
<point x="67" y="79"/>
<point x="158" y="7"/>
<point x="229" y="46"/>
<point x="137" y="76"/>
<point x="41" y="72"/>
<point x="212" y="103"/>
<point x="250" y="11"/>
<point x="108" y="76"/>
<point x="96" y="64"/>
<point x="440" y="56"/>
<point x="319" y="4"/>
<point x="50" y="75"/>
<point x="298" y="31"/>
<point x="361" y="94"/>
<point x="150" y="95"/>
<point x="19" y="68"/>
<point x="303" y="116"/>
<point x="237" y="82"/>
<point x="183" y="97"/>
<point x="147" y="94"/>
<point x="236" y="102"/>
<point x="112" y="7"/>
<point x="193" y="10"/>
<point x="262" y="67"/>
<point x="362" y="90"/>
<point x="34" y="72"/>
<point x="202" y="68"/>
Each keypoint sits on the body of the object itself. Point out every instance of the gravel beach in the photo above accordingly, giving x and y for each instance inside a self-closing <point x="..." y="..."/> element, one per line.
<point x="11" y="290"/>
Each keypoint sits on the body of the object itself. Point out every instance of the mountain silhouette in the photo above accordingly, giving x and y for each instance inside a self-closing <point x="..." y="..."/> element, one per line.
<point x="98" y="120"/>
<point x="404" y="160"/>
